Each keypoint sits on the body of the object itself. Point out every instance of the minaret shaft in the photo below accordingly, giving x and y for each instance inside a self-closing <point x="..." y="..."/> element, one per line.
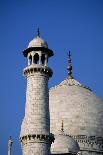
<point x="36" y="124"/>
<point x="37" y="104"/>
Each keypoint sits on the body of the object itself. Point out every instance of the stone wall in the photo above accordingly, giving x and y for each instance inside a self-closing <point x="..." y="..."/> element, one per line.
<point x="37" y="104"/>
<point x="35" y="130"/>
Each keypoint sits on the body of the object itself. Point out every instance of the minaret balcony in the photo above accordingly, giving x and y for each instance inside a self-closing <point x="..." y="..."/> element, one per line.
<point x="37" y="138"/>
<point x="30" y="70"/>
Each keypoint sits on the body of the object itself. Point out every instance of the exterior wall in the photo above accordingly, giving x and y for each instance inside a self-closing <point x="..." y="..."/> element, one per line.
<point x="37" y="120"/>
<point x="36" y="149"/>
<point x="35" y="130"/>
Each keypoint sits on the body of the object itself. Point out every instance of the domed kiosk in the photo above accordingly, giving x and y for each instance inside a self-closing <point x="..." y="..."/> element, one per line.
<point x="64" y="144"/>
<point x="38" y="42"/>
<point x="81" y="111"/>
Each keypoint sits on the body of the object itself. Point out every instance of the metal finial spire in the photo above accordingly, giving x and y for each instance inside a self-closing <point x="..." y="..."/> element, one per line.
<point x="9" y="145"/>
<point x="38" y="32"/>
<point x="62" y="126"/>
<point x="69" y="66"/>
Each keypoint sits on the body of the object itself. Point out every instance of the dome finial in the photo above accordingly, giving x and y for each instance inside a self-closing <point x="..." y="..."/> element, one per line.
<point x="69" y="68"/>
<point x="38" y="32"/>
<point x="62" y="126"/>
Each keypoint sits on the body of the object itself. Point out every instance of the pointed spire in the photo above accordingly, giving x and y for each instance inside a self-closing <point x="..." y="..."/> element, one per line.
<point x="38" y="32"/>
<point x="9" y="145"/>
<point x="62" y="126"/>
<point x="69" y="68"/>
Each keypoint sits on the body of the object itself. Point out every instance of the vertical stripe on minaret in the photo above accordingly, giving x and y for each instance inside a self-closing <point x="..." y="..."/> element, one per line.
<point x="35" y="134"/>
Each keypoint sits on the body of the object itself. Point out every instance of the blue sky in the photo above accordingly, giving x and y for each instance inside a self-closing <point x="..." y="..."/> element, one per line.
<point x="75" y="25"/>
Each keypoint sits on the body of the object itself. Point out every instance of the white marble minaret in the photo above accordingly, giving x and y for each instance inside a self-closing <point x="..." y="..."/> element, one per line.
<point x="35" y="134"/>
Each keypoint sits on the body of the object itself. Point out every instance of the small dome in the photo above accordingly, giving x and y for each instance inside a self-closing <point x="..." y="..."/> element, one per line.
<point x="64" y="144"/>
<point x="38" y="42"/>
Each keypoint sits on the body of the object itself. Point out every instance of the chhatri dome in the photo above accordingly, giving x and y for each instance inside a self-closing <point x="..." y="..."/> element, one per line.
<point x="64" y="144"/>
<point x="81" y="111"/>
<point x="38" y="42"/>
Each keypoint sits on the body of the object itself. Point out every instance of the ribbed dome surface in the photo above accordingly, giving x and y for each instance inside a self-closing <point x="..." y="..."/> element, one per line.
<point x="64" y="144"/>
<point x="78" y="107"/>
<point x="38" y="42"/>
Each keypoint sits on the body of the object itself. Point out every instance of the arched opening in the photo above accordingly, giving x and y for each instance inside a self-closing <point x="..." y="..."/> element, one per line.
<point x="36" y="58"/>
<point x="43" y="59"/>
<point x="30" y="59"/>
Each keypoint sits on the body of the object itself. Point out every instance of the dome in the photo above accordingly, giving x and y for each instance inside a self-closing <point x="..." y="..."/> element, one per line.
<point x="78" y="107"/>
<point x="64" y="144"/>
<point x="38" y="42"/>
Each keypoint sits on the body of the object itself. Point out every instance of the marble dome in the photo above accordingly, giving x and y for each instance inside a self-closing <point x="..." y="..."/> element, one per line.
<point x="38" y="42"/>
<point x="64" y="144"/>
<point x="79" y="108"/>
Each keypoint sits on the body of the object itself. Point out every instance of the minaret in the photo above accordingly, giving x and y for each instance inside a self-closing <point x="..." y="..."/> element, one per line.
<point x="9" y="145"/>
<point x="35" y="134"/>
